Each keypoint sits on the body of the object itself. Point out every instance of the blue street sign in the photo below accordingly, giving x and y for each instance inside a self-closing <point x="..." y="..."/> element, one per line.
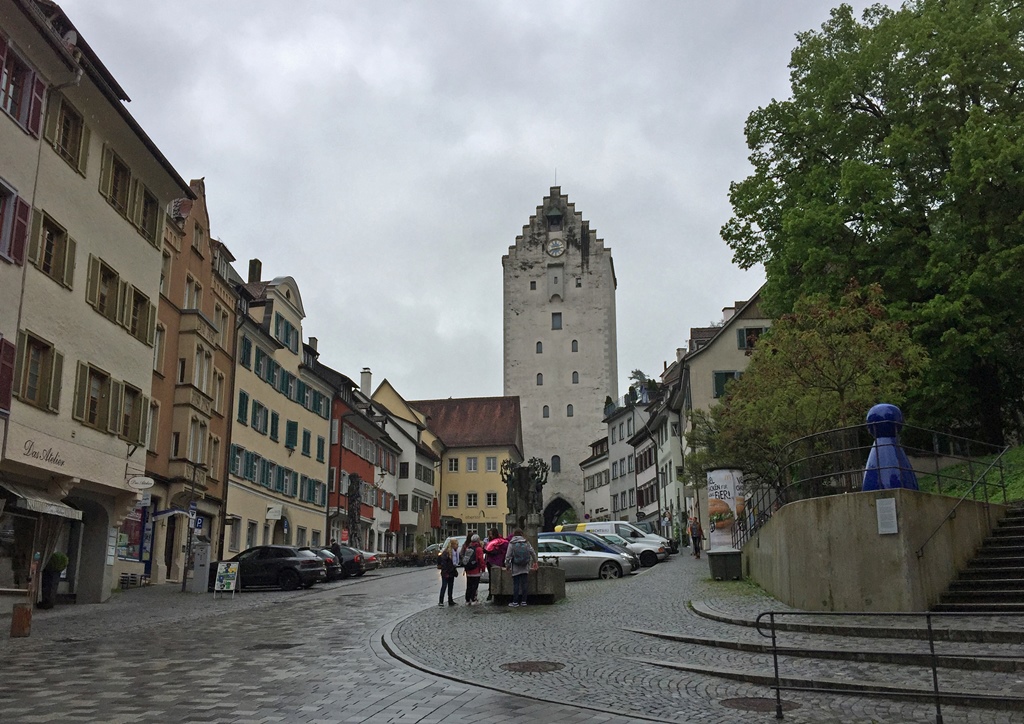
<point x="192" y="505"/>
<point x="199" y="523"/>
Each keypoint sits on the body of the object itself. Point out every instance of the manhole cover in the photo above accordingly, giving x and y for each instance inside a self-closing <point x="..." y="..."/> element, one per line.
<point x="261" y="647"/>
<point x="757" y="703"/>
<point x="533" y="667"/>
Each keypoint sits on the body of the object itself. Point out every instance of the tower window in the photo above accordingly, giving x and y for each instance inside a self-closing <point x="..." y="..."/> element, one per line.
<point x="556" y="320"/>
<point x="575" y="378"/>
<point x="556" y="464"/>
<point x="540" y="347"/>
<point x="575" y="346"/>
<point x="579" y="282"/>
<point x="540" y="379"/>
<point x="533" y="286"/>
<point x="568" y="411"/>
<point x="546" y="412"/>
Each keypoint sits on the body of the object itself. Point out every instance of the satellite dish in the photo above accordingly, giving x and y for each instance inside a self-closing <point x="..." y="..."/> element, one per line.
<point x="140" y="482"/>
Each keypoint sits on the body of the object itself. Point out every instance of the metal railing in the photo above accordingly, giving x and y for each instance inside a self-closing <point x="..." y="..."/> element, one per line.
<point x="936" y="694"/>
<point x="832" y="463"/>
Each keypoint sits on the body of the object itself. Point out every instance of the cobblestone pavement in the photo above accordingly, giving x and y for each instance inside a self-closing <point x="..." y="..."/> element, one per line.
<point x="328" y="654"/>
<point x="607" y="666"/>
<point x="157" y="655"/>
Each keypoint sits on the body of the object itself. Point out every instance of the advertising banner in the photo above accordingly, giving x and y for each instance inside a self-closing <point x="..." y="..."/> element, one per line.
<point x="227" y="577"/>
<point x="725" y="506"/>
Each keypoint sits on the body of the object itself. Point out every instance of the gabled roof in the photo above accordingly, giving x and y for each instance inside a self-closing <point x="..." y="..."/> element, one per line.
<point x="474" y="421"/>
<point x="718" y="331"/>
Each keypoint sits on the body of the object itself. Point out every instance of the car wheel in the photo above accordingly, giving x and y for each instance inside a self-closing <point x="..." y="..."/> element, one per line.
<point x="288" y="580"/>
<point x="609" y="569"/>
<point x="648" y="558"/>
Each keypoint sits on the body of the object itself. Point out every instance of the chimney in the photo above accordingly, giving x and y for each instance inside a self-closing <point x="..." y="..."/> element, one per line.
<point x="312" y="343"/>
<point x="255" y="271"/>
<point x="727" y="313"/>
<point x="365" y="381"/>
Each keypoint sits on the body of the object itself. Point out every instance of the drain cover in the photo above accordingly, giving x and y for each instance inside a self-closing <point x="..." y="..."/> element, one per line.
<point x="757" y="703"/>
<point x="259" y="647"/>
<point x="533" y="667"/>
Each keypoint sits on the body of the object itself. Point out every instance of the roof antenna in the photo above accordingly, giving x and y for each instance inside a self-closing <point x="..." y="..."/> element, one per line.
<point x="556" y="175"/>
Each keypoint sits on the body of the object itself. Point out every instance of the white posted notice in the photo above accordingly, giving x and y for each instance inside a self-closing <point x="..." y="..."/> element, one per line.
<point x="886" y="511"/>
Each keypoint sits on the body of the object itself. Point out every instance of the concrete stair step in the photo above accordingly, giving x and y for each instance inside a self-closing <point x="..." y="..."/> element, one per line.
<point x="988" y="584"/>
<point x="983" y="573"/>
<point x="987" y="595"/>
<point x="1004" y="540"/>
<point x="979" y="608"/>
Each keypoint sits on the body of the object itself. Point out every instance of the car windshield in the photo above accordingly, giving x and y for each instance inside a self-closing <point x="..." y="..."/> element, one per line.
<point x="306" y="554"/>
<point x="617" y="540"/>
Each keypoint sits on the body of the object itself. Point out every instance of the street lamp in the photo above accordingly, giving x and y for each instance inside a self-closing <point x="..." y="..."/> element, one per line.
<point x="191" y="522"/>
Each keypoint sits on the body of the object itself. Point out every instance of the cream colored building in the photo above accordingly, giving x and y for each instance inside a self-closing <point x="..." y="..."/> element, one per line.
<point x="281" y="423"/>
<point x="560" y="355"/>
<point x="84" y="191"/>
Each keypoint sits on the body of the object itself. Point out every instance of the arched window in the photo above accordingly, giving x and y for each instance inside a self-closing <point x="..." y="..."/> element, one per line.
<point x="540" y="379"/>
<point x="547" y="412"/>
<point x="575" y="346"/>
<point x="568" y="411"/>
<point x="575" y="378"/>
<point x="540" y="347"/>
<point x="556" y="464"/>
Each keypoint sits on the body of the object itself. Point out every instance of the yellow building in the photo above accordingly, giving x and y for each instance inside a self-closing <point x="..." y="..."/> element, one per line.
<point x="476" y="434"/>
<point x="281" y="423"/>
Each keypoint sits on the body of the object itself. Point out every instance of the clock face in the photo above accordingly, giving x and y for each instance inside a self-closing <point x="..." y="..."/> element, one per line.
<point x="556" y="247"/>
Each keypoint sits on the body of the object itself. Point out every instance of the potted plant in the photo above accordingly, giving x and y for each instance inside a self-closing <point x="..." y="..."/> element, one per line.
<point x="51" y="578"/>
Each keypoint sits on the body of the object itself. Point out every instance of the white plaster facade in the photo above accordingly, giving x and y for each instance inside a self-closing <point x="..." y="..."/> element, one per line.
<point x="560" y="354"/>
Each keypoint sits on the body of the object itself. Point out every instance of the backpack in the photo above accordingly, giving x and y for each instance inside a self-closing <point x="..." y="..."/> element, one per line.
<point x="520" y="553"/>
<point x="469" y="560"/>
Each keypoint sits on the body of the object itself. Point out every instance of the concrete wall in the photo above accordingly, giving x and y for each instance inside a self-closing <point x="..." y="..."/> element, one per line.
<point x="826" y="554"/>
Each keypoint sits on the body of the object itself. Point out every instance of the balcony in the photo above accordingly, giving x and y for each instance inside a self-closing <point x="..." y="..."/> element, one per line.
<point x="186" y="394"/>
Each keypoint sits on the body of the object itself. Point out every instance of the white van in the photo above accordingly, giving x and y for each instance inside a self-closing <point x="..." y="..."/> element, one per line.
<point x="618" y="527"/>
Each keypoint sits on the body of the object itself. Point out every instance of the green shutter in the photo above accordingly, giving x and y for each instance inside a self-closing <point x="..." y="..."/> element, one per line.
<point x="291" y="436"/>
<point x="274" y="419"/>
<point x="56" y="374"/>
<point x="70" y="249"/>
<point x="52" y="117"/>
<point x="243" y="407"/>
<point x="741" y="338"/>
<point x="92" y="283"/>
<point x="33" y="241"/>
<point x="83" y="150"/>
<point x="81" y="392"/>
<point x="116" y="391"/>
<point x="105" y="169"/>
<point x="19" y="363"/>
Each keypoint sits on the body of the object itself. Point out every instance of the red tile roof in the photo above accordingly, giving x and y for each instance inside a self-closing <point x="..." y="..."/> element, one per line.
<point x="474" y="421"/>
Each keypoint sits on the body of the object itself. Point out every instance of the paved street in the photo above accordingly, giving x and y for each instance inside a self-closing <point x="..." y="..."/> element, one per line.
<point x="329" y="654"/>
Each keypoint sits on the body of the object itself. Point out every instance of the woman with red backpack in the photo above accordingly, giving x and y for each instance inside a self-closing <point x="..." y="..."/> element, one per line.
<point x="472" y="559"/>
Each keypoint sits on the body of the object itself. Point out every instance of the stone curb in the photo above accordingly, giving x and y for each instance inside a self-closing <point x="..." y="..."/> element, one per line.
<point x="1006" y="701"/>
<point x="392" y="648"/>
<point x="973" y="663"/>
<point x="960" y="635"/>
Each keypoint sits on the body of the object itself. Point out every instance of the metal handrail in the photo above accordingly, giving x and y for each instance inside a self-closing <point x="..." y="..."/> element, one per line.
<point x="952" y="512"/>
<point x="928" y="616"/>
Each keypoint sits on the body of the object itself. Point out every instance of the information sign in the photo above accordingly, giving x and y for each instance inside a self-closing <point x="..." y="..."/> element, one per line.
<point x="227" y="577"/>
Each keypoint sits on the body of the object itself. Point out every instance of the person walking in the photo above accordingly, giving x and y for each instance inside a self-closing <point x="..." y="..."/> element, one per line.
<point x="447" y="560"/>
<point x="521" y="558"/>
<point x="696" y="536"/>
<point x="472" y="558"/>
<point x="336" y="549"/>
<point x="495" y="548"/>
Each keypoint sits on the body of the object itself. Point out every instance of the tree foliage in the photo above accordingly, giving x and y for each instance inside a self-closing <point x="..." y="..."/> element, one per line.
<point x="899" y="160"/>
<point x="819" y="368"/>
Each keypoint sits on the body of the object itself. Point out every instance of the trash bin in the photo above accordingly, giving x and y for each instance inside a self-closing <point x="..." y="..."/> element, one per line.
<point x="726" y="564"/>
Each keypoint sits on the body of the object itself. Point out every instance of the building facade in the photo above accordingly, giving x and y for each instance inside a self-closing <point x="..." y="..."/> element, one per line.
<point x="559" y="342"/>
<point x="82" y="193"/>
<point x="597" y="502"/>
<point x="281" y="421"/>
<point x="623" y="420"/>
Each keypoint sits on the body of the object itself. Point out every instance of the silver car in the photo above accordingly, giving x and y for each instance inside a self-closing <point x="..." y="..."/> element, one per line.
<point x="578" y="563"/>
<point x="646" y="549"/>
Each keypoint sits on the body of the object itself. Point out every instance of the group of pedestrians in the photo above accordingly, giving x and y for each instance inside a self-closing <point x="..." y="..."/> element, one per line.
<point x="475" y="557"/>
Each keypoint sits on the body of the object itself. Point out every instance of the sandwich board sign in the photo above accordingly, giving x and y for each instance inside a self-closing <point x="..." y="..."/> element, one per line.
<point x="226" y="578"/>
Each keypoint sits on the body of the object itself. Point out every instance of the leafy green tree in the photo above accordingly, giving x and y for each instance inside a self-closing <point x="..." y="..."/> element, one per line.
<point x="819" y="368"/>
<point x="899" y="160"/>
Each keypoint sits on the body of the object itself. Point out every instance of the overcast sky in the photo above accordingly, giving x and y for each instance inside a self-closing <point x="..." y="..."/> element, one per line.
<point x="386" y="154"/>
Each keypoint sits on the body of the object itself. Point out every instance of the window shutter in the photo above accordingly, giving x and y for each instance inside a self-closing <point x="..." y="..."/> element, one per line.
<point x="134" y="210"/>
<point x="273" y="425"/>
<point x="7" y="356"/>
<point x="52" y="117"/>
<point x="137" y="432"/>
<point x="81" y="391"/>
<point x="116" y="390"/>
<point x="291" y="434"/>
<point x="741" y="338"/>
<point x="83" y="150"/>
<point x="105" y="170"/>
<point x="35" y="110"/>
<point x="3" y="50"/>
<point x="56" y="380"/>
<point x="33" y="240"/>
<point x="69" y="262"/>
<point x="123" y="310"/>
<point x="19" y="233"/>
<point x="92" y="284"/>
<point x="150" y="323"/>
<point x="19" y="364"/>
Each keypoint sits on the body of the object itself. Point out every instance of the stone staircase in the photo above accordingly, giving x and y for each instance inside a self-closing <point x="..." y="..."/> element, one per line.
<point x="993" y="581"/>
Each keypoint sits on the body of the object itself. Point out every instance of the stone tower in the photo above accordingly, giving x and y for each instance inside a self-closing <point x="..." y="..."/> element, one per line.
<point x="560" y="343"/>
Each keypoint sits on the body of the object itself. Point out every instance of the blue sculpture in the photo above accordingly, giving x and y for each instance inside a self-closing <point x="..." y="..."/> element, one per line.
<point x="888" y="466"/>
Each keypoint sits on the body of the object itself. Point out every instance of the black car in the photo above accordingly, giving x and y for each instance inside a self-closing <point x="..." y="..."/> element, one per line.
<point x="591" y="542"/>
<point x="331" y="562"/>
<point x="282" y="566"/>
<point x="351" y="562"/>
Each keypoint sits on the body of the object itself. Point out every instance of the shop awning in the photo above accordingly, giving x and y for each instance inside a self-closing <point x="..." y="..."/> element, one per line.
<point x="40" y="501"/>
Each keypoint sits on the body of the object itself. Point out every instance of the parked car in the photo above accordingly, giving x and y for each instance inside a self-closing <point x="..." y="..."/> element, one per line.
<point x="621" y="528"/>
<point x="592" y="542"/>
<point x="331" y="561"/>
<point x="648" y="551"/>
<point x="428" y="556"/>
<point x="578" y="563"/>
<point x="460" y="541"/>
<point x="351" y="562"/>
<point x="370" y="561"/>
<point x="647" y="527"/>
<point x="282" y="566"/>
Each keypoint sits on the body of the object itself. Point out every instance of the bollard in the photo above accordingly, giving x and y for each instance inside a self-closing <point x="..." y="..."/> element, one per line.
<point x="21" y="620"/>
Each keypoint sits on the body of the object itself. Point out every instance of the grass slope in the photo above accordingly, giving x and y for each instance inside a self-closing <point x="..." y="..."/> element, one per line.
<point x="1013" y="474"/>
